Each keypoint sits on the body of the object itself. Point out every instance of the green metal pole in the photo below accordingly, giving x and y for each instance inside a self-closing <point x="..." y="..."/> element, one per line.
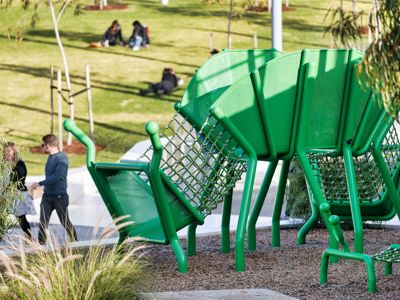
<point x="311" y="222"/>
<point x="276" y="215"/>
<point x="354" y="201"/>
<point x="251" y="229"/>
<point x="191" y="240"/>
<point x="226" y="218"/>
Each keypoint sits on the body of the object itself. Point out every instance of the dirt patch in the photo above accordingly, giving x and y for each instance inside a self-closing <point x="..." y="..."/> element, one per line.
<point x="363" y="29"/>
<point x="108" y="7"/>
<point x="290" y="269"/>
<point x="76" y="147"/>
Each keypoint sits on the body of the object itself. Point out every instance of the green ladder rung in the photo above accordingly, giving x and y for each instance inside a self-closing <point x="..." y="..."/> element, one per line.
<point x="391" y="254"/>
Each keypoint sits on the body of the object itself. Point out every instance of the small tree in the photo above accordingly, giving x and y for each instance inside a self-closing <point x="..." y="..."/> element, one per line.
<point x="55" y="18"/>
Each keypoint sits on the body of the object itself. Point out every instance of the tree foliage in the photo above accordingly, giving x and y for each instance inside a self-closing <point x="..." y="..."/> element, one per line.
<point x="344" y="26"/>
<point x="380" y="67"/>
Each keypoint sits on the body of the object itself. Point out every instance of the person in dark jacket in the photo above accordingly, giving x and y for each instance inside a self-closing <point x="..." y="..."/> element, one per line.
<point x="55" y="196"/>
<point x="24" y="204"/>
<point x="139" y="37"/>
<point x="113" y="35"/>
<point x="168" y="82"/>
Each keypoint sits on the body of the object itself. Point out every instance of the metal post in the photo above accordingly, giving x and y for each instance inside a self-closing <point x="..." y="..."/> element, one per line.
<point x="89" y="96"/>
<point x="51" y="100"/>
<point x="269" y="5"/>
<point x="59" y="98"/>
<point x="255" y="40"/>
<point x="211" y="42"/>
<point x="277" y="24"/>
<point x="229" y="25"/>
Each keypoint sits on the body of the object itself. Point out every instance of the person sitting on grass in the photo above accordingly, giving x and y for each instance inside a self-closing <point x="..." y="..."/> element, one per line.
<point x="168" y="82"/>
<point x="112" y="35"/>
<point x="139" y="37"/>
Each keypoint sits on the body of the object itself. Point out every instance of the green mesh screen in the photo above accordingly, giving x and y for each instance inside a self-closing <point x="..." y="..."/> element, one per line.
<point x="330" y="172"/>
<point x="204" y="165"/>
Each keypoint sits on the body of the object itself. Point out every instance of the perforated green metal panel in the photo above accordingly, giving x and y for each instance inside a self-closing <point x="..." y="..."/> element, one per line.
<point x="239" y="103"/>
<point x="324" y="97"/>
<point x="216" y="75"/>
<point x="279" y="85"/>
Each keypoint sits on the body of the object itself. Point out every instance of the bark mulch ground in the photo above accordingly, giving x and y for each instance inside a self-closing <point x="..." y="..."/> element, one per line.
<point x="291" y="269"/>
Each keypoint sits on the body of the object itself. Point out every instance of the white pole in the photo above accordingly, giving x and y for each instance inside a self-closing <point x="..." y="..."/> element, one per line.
<point x="59" y="98"/>
<point x="277" y="24"/>
<point x="89" y="96"/>
<point x="211" y="42"/>
<point x="51" y="100"/>
<point x="164" y="2"/>
<point x="229" y="25"/>
<point x="255" y="40"/>
<point x="269" y="5"/>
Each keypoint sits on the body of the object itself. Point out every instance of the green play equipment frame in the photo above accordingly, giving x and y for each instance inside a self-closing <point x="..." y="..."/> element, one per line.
<point x="245" y="106"/>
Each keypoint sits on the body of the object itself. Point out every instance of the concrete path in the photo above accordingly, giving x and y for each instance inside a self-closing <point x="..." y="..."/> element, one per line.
<point x="239" y="294"/>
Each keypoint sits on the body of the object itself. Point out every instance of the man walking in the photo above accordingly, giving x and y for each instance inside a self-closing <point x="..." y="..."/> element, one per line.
<point x="55" y="196"/>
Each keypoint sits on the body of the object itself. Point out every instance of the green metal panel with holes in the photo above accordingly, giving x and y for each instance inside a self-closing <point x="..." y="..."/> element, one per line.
<point x="217" y="74"/>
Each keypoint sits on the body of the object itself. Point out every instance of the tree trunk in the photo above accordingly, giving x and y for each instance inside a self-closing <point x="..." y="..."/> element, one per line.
<point x="65" y="63"/>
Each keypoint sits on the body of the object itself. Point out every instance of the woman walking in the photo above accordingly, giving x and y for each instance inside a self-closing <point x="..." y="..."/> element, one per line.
<point x="24" y="204"/>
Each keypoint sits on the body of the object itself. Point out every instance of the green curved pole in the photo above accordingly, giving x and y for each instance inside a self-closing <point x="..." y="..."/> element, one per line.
<point x="311" y="222"/>
<point x="191" y="240"/>
<point x="251" y="229"/>
<point x="163" y="206"/>
<point x="244" y="212"/>
<point x="226" y="218"/>
<point x="276" y="215"/>
<point x="354" y="201"/>
<point x="369" y="264"/>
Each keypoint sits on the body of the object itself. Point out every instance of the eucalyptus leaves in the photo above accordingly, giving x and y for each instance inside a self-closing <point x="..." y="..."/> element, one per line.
<point x="381" y="64"/>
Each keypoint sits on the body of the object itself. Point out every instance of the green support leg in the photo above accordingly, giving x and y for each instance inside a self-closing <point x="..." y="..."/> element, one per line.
<point x="226" y="218"/>
<point x="310" y="223"/>
<point x="191" y="239"/>
<point x="354" y="201"/>
<point x="244" y="213"/>
<point x="369" y="264"/>
<point x="276" y="215"/>
<point x="180" y="255"/>
<point x="122" y="236"/>
<point x="388" y="268"/>
<point x="251" y="229"/>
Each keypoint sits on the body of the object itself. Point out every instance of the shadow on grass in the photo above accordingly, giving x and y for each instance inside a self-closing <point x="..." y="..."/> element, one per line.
<point x="100" y="124"/>
<point x="69" y="35"/>
<point x="77" y="79"/>
<point x="260" y="37"/>
<point x="108" y="51"/>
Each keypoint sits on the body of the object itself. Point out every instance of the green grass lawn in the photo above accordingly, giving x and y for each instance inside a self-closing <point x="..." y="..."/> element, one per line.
<point x="179" y="39"/>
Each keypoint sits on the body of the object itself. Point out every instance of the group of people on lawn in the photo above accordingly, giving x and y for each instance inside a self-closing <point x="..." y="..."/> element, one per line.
<point x="138" y="39"/>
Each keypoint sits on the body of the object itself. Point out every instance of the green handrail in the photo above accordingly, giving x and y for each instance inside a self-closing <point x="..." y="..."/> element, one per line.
<point x="70" y="125"/>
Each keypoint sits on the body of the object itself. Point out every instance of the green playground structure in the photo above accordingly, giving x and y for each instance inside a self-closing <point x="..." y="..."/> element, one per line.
<point x="180" y="184"/>
<point x="250" y="105"/>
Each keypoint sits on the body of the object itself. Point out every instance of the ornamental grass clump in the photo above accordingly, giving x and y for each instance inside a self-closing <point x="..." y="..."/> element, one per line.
<point x="60" y="272"/>
<point x="8" y="194"/>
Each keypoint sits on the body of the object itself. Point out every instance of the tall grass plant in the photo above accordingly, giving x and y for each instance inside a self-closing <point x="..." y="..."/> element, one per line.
<point x="62" y="272"/>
